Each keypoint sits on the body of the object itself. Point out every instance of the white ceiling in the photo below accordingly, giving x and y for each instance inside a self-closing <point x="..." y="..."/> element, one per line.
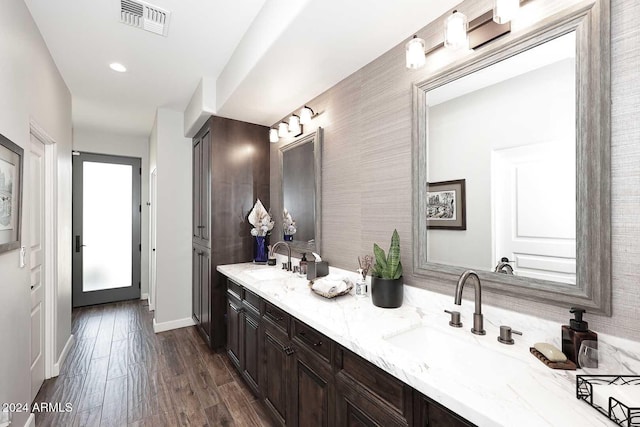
<point x="266" y="73"/>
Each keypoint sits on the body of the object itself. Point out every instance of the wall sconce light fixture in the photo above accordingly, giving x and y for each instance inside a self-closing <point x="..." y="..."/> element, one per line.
<point x="505" y="10"/>
<point x="283" y="129"/>
<point x="415" y="54"/>
<point x="459" y="33"/>
<point x="456" y="26"/>
<point x="273" y="135"/>
<point x="294" y="125"/>
<point x="306" y="114"/>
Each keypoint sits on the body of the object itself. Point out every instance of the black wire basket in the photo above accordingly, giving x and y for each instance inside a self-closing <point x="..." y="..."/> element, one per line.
<point x="625" y="414"/>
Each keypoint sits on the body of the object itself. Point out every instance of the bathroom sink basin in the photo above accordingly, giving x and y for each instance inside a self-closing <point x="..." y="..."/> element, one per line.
<point x="469" y="354"/>
<point x="268" y="274"/>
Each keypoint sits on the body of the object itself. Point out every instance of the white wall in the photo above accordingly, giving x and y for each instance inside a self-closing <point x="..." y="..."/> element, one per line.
<point x="534" y="107"/>
<point x="93" y="141"/>
<point x="171" y="155"/>
<point x="31" y="88"/>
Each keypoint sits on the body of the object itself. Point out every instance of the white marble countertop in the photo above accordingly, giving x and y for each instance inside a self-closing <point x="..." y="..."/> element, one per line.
<point x="488" y="383"/>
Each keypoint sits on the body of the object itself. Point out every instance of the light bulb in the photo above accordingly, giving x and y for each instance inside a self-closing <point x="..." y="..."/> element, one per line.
<point x="283" y="129"/>
<point x="415" y="53"/>
<point x="273" y="135"/>
<point x="294" y="125"/>
<point x="306" y="114"/>
<point x="455" y="31"/>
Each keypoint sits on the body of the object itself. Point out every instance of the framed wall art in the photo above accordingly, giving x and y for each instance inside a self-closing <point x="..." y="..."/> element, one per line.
<point x="11" y="160"/>
<point x="446" y="205"/>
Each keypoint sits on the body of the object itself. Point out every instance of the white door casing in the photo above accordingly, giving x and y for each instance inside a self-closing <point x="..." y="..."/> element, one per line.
<point x="534" y="217"/>
<point x="152" y="236"/>
<point x="37" y="262"/>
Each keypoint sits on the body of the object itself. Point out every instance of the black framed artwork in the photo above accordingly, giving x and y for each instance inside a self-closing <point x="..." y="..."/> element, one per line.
<point x="446" y="205"/>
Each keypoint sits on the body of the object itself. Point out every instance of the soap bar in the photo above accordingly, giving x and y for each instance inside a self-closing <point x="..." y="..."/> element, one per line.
<point x="550" y="351"/>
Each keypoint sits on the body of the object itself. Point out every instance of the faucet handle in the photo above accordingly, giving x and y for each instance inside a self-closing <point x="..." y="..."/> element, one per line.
<point x="505" y="335"/>
<point x="455" y="319"/>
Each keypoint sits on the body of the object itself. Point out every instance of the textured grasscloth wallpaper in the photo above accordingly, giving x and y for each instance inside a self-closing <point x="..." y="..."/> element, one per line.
<point x="366" y="174"/>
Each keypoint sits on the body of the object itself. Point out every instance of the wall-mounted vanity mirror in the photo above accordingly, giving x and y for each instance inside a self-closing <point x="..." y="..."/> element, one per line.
<point x="300" y="171"/>
<point x="511" y="164"/>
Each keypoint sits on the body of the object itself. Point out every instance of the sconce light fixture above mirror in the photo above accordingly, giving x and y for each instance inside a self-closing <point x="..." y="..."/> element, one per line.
<point x="459" y="33"/>
<point x="294" y="127"/>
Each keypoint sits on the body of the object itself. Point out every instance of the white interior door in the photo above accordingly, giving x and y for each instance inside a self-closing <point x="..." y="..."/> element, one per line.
<point x="152" y="275"/>
<point x="36" y="261"/>
<point x="534" y="189"/>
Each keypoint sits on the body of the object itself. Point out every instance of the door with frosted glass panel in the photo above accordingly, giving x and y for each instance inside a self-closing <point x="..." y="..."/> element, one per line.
<point x="106" y="228"/>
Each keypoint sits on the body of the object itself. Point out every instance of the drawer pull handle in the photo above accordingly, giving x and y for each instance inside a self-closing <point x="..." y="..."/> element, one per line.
<point x="289" y="350"/>
<point x="304" y="337"/>
<point x="275" y="316"/>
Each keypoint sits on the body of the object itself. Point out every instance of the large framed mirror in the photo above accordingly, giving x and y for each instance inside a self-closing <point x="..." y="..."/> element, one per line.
<point x="512" y="164"/>
<point x="300" y="173"/>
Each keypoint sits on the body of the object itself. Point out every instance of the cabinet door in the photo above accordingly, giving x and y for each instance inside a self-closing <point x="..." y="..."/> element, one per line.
<point x="357" y="406"/>
<point x="275" y="372"/>
<point x="429" y="413"/>
<point x="250" y="352"/>
<point x="196" y="286"/>
<point x="197" y="187"/>
<point x="205" y="293"/>
<point x="312" y="390"/>
<point x="234" y="312"/>
<point x="205" y="188"/>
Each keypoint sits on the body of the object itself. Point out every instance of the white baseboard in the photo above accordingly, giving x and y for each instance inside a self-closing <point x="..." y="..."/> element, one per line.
<point x="173" y="324"/>
<point x="31" y="421"/>
<point x="63" y="355"/>
<point x="144" y="296"/>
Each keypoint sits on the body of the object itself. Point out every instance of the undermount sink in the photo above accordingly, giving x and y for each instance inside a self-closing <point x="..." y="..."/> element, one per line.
<point x="268" y="274"/>
<point x="433" y="346"/>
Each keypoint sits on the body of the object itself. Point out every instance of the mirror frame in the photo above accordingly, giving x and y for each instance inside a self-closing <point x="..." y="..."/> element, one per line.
<point x="591" y="21"/>
<point x="316" y="139"/>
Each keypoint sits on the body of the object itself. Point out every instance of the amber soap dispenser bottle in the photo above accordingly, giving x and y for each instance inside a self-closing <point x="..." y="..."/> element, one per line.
<point x="574" y="333"/>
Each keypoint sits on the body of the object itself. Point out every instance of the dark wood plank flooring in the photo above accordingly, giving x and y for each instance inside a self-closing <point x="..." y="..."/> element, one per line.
<point x="120" y="373"/>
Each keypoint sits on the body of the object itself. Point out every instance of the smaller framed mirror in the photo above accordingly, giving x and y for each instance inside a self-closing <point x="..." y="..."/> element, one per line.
<point x="300" y="174"/>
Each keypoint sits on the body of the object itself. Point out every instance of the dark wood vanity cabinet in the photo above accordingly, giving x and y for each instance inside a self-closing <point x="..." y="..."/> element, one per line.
<point x="243" y="334"/>
<point x="429" y="413"/>
<point x="230" y="166"/>
<point x="306" y="379"/>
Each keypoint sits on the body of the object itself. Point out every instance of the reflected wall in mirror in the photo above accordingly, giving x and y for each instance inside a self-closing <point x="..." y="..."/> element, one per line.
<point x="300" y="169"/>
<point x="525" y="122"/>
<point x="509" y="131"/>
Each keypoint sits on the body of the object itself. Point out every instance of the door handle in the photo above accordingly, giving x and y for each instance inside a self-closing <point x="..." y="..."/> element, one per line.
<point x="78" y="245"/>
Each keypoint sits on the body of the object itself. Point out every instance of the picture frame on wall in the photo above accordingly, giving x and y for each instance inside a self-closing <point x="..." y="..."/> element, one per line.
<point x="446" y="205"/>
<point x="11" y="166"/>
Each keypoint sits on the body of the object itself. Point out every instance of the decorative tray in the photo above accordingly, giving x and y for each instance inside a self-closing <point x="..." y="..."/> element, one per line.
<point x="614" y="396"/>
<point x="331" y="295"/>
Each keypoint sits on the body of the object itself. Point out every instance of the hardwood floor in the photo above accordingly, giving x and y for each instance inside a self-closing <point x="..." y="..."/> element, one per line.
<point x="120" y="373"/>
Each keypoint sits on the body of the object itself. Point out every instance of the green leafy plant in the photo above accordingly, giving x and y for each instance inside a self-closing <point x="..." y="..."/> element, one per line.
<point x="388" y="266"/>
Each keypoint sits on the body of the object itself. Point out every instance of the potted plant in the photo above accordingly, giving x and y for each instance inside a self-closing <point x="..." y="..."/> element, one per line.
<point x="262" y="225"/>
<point x="386" y="275"/>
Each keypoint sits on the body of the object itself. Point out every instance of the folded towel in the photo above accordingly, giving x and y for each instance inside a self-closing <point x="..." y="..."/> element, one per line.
<point x="627" y="394"/>
<point x="330" y="285"/>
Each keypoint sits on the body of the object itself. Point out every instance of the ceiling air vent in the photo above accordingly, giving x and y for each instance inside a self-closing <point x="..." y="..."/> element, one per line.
<point x="145" y="16"/>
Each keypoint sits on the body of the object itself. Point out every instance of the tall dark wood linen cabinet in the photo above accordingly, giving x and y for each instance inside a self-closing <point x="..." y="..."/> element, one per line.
<point x="230" y="171"/>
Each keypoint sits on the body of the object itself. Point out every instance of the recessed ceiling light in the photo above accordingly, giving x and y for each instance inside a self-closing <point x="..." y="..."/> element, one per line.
<point x="116" y="66"/>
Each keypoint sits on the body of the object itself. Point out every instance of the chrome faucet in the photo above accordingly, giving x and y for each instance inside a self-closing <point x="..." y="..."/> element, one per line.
<point x="504" y="266"/>
<point x="478" y="327"/>
<point x="276" y="245"/>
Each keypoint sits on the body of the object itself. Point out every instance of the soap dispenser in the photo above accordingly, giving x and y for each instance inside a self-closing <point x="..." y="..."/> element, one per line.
<point x="303" y="264"/>
<point x="574" y="333"/>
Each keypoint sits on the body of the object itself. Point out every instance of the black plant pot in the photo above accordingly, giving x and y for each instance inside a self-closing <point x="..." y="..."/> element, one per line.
<point x="387" y="293"/>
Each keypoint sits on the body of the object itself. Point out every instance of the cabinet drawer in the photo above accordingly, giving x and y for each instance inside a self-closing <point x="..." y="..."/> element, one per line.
<point x="278" y="317"/>
<point x="251" y="301"/>
<point x="386" y="387"/>
<point x="312" y="339"/>
<point x="234" y="289"/>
